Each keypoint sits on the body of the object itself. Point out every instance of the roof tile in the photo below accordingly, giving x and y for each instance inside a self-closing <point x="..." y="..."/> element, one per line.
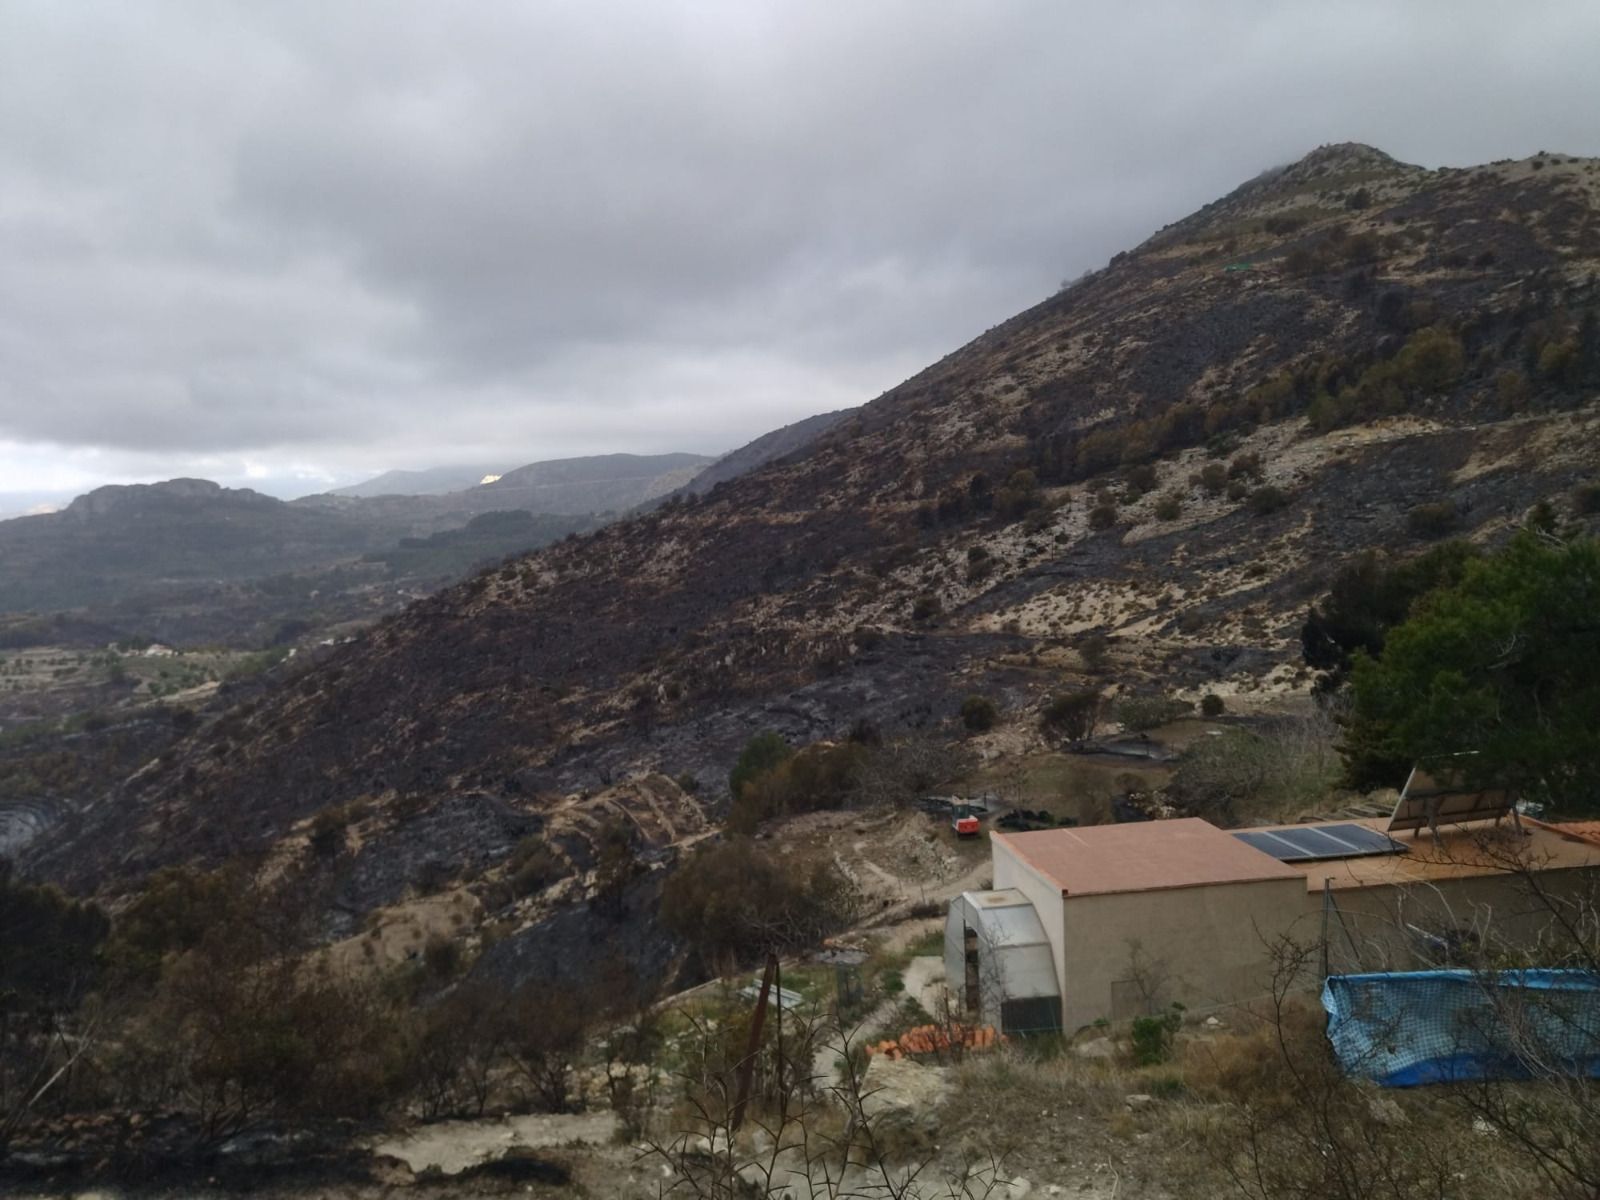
<point x="1142" y="856"/>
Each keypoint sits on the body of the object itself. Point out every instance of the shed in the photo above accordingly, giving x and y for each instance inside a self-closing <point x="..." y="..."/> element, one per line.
<point x="1140" y="915"/>
<point x="998" y="960"/>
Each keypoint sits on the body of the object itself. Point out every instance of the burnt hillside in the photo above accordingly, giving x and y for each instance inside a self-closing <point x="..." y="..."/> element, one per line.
<point x="1174" y="452"/>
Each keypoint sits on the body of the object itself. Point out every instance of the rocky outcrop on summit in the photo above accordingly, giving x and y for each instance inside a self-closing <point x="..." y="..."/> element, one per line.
<point x="171" y="495"/>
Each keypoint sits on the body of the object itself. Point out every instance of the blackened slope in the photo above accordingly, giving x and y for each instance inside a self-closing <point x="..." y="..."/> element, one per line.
<point x="607" y="649"/>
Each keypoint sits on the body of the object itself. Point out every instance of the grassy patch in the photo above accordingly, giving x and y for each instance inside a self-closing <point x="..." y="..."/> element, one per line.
<point x="1065" y="785"/>
<point x="929" y="944"/>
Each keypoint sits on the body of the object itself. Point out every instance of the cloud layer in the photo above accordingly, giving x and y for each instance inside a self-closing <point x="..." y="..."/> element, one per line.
<point x="297" y="242"/>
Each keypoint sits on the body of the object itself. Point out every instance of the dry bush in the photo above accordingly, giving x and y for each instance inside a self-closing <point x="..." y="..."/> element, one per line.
<point x="1243" y="776"/>
<point x="978" y="713"/>
<point x="800" y="1134"/>
<point x="234" y="1039"/>
<point x="533" y="866"/>
<point x="900" y="770"/>
<point x="548" y="1029"/>
<point x="1015" y="1097"/>
<point x="457" y="1047"/>
<point x="734" y="900"/>
<point x="1248" y="1067"/>
<point x="1071" y="715"/>
<point x="1433" y="521"/>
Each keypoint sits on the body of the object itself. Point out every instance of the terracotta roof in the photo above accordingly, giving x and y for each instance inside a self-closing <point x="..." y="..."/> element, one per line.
<point x="1142" y="856"/>
<point x="1589" y="831"/>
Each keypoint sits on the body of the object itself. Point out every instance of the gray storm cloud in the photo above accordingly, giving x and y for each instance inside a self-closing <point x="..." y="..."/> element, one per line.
<point x="290" y="239"/>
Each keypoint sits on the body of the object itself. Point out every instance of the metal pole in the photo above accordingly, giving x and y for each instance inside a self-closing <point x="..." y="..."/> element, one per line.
<point x="758" y="1020"/>
<point x="783" y="1092"/>
<point x="1327" y="901"/>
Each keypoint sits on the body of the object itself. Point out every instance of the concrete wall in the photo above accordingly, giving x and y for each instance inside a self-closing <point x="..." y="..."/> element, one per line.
<point x="1369" y="931"/>
<point x="1200" y="946"/>
<point x="1045" y="896"/>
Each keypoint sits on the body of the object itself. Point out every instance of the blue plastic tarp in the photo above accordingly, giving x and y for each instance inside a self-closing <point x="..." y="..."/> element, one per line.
<point x="1401" y="1029"/>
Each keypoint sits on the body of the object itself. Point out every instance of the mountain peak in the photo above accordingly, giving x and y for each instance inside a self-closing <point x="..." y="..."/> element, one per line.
<point x="1345" y="155"/>
<point x="118" y="496"/>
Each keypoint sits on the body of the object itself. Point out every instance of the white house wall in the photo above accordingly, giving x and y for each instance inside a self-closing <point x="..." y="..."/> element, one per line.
<point x="1200" y="946"/>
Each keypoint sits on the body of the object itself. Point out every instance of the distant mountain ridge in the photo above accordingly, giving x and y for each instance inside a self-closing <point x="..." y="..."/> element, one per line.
<point x="425" y="481"/>
<point x="769" y="447"/>
<point x="125" y="552"/>
<point x="599" y="483"/>
<point x="116" y="539"/>
<point x="564" y="486"/>
<point x="178" y="496"/>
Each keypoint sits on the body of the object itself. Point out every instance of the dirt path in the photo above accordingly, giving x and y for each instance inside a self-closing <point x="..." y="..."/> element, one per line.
<point x="898" y="932"/>
<point x="924" y="980"/>
<point x="453" y="1146"/>
<point x="923" y="976"/>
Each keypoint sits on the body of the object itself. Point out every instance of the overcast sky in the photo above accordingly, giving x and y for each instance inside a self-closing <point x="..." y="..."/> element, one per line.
<point x="299" y="243"/>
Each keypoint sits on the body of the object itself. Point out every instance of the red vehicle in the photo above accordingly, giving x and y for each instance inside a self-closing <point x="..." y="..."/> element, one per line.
<point x="965" y="826"/>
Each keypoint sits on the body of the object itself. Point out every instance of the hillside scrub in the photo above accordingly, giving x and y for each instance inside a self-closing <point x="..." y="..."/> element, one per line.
<point x="1586" y="499"/>
<point x="178" y="908"/>
<point x="1433" y="521"/>
<point x="822" y="776"/>
<point x="1268" y="499"/>
<point x="1019" y="495"/>
<point x="864" y="770"/>
<point x="214" y="1005"/>
<point x="1071" y="715"/>
<point x="761" y="753"/>
<point x="533" y="866"/>
<point x="1139" y="713"/>
<point x="49" y="944"/>
<point x="979" y="714"/>
<point x="1431" y="362"/>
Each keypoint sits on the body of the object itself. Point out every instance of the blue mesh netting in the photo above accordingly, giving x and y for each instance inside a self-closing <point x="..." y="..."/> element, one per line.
<point x="1401" y="1029"/>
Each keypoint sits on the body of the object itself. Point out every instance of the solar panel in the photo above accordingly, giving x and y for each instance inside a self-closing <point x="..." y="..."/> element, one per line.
<point x="1440" y="797"/>
<point x="1269" y="844"/>
<point x="1310" y="842"/>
